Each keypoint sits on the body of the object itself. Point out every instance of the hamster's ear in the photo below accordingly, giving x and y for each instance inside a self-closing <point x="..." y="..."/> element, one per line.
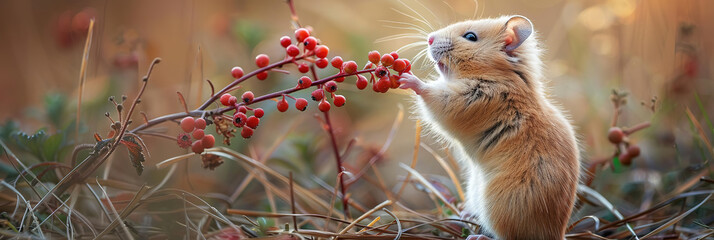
<point x="518" y="29"/>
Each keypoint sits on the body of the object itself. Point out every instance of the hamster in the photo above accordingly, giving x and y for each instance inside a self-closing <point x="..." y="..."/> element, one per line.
<point x="517" y="150"/>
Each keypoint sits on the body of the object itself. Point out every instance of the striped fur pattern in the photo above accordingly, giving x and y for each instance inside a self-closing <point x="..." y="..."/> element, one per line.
<point x="518" y="151"/>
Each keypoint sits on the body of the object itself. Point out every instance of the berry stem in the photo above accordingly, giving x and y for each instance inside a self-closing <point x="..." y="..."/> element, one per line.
<point x="338" y="159"/>
<point x="245" y="77"/>
<point x="636" y="128"/>
<point x="333" y="141"/>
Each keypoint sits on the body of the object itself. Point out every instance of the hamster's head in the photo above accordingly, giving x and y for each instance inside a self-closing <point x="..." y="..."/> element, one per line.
<point x="482" y="48"/>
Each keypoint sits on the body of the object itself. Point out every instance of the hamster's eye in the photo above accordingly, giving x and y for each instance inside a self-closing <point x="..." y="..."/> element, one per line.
<point x="470" y="36"/>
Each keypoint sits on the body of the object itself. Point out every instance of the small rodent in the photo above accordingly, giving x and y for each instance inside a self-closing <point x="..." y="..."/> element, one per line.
<point x="518" y="151"/>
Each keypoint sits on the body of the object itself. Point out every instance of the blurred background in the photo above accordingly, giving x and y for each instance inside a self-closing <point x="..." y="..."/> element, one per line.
<point x="655" y="49"/>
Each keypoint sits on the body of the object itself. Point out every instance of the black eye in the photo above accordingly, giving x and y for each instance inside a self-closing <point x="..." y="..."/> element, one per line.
<point x="470" y="36"/>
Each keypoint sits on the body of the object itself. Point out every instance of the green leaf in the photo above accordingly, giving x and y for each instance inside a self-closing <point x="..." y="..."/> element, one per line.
<point x="34" y="144"/>
<point x="55" y="105"/>
<point x="52" y="146"/>
<point x="616" y="165"/>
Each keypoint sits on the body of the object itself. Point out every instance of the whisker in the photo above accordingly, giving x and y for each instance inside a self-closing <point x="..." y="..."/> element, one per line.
<point x="411" y="45"/>
<point x="418" y="14"/>
<point x="450" y="7"/>
<point x="415" y="27"/>
<point x="475" y="9"/>
<point x="414" y="18"/>
<point x="429" y="10"/>
<point x="399" y="36"/>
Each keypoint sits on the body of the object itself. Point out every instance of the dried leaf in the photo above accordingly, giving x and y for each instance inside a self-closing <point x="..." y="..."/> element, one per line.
<point x="136" y="154"/>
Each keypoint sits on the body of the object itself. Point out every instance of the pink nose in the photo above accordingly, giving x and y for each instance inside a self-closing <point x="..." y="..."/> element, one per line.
<point x="431" y="40"/>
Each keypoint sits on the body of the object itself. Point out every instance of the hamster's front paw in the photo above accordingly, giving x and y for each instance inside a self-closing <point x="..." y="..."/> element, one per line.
<point x="410" y="81"/>
<point x="477" y="237"/>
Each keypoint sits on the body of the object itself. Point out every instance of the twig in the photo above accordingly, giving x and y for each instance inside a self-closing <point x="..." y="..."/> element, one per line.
<point x="365" y="215"/>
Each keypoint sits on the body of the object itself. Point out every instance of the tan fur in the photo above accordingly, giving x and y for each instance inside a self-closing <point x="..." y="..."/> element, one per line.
<point x="519" y="153"/>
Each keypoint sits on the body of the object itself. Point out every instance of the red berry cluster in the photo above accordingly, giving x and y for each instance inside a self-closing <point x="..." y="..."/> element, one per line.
<point x="240" y="117"/>
<point x="618" y="137"/>
<point x="196" y="127"/>
<point x="381" y="78"/>
<point x="307" y="53"/>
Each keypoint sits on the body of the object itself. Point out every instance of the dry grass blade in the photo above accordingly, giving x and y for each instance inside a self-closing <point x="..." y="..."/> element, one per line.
<point x="239" y="157"/>
<point x="365" y="215"/>
<point x="125" y="212"/>
<point x="417" y="140"/>
<point x="447" y="168"/>
<point x="431" y="188"/>
<point x="677" y="218"/>
<point x="607" y="205"/>
<point x="691" y="182"/>
<point x="173" y="160"/>
<point x="700" y="130"/>
<point x="83" y="75"/>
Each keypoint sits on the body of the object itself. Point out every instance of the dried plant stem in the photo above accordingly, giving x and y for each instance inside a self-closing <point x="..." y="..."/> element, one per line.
<point x="345" y="205"/>
<point x="365" y="215"/>
<point x="83" y="76"/>
<point x="417" y="141"/>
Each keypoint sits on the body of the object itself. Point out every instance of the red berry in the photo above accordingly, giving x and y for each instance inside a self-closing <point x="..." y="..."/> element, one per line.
<point x="394" y="55"/>
<point x="310" y="43"/>
<point x="197" y="147"/>
<point x="239" y="119"/>
<point x="615" y="135"/>
<point x="303" y="68"/>
<point x="349" y="67"/>
<point x="246" y="132"/>
<point x="317" y="95"/>
<point x="237" y="72"/>
<point x="373" y="57"/>
<point x="197" y="134"/>
<point x="633" y="151"/>
<point x="301" y="34"/>
<point x="262" y="60"/>
<point x="304" y="82"/>
<point x="324" y="106"/>
<point x="187" y="124"/>
<point x="283" y="105"/>
<point x="292" y="50"/>
<point x="339" y="79"/>
<point x="224" y="99"/>
<point x="243" y="109"/>
<point x="262" y="75"/>
<point x="258" y="112"/>
<point x="399" y="65"/>
<point x="208" y="141"/>
<point x="387" y="60"/>
<point x="301" y="104"/>
<point x="383" y="84"/>
<point x="361" y="82"/>
<point x="321" y="51"/>
<point x="321" y="63"/>
<point x="285" y="41"/>
<point x="408" y="64"/>
<point x="200" y="123"/>
<point x="381" y="71"/>
<point x="331" y="86"/>
<point x="339" y="100"/>
<point x="369" y="65"/>
<point x="183" y="140"/>
<point x="252" y="122"/>
<point x="248" y="97"/>
<point x="337" y="62"/>
<point x="394" y="81"/>
<point x="232" y="100"/>
<point x="625" y="159"/>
